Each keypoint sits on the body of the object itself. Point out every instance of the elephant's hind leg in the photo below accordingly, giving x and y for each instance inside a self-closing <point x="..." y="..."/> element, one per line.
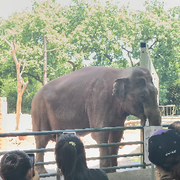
<point x="41" y="142"/>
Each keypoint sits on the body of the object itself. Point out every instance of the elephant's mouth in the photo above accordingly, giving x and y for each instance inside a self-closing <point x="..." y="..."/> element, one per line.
<point x="139" y="109"/>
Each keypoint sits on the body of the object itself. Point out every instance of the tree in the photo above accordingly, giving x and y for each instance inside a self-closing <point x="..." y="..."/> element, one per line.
<point x="173" y="95"/>
<point x="108" y="35"/>
<point x="28" y="30"/>
<point x="21" y="85"/>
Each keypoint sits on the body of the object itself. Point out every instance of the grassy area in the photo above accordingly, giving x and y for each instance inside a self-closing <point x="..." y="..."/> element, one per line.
<point x="131" y="117"/>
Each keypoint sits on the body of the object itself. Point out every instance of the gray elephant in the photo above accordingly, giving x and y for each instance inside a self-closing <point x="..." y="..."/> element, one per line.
<point x="94" y="97"/>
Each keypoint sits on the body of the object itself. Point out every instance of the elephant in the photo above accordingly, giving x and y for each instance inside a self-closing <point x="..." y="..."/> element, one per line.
<point x="94" y="97"/>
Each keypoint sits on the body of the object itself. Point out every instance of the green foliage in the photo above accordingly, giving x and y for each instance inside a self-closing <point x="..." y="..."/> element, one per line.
<point x="131" y="117"/>
<point x="9" y="90"/>
<point x="109" y="35"/>
<point x="173" y="95"/>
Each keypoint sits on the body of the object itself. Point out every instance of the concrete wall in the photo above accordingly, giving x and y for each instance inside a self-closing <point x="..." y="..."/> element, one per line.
<point x="3" y="121"/>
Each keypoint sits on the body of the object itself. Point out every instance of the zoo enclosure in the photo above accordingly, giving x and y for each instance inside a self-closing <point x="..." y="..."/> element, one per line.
<point x="142" y="164"/>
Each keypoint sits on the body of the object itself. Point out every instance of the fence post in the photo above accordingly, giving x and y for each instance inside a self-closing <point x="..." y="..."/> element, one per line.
<point x="142" y="148"/>
<point x="147" y="62"/>
<point x="152" y="172"/>
<point x="3" y="121"/>
<point x="58" y="177"/>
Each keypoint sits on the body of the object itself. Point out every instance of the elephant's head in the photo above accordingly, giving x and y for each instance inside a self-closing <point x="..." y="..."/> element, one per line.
<point x="138" y="96"/>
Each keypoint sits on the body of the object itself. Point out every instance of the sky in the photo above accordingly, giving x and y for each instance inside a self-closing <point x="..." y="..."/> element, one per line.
<point x="7" y="7"/>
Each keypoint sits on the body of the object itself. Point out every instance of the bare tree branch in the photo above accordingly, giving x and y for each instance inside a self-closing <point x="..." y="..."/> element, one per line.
<point x="74" y="66"/>
<point x="52" y="68"/>
<point x="54" y="49"/>
<point x="29" y="94"/>
<point x="151" y="47"/>
<point x="37" y="77"/>
<point x="128" y="53"/>
<point x="107" y="56"/>
<point x="22" y="71"/>
<point x="10" y="44"/>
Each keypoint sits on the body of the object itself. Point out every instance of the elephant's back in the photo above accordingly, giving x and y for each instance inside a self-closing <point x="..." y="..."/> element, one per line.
<point x="83" y="79"/>
<point x="85" y="74"/>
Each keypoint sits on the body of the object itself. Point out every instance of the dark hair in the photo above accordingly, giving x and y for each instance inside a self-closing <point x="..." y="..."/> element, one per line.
<point x="70" y="156"/>
<point x="172" y="165"/>
<point x="15" y="165"/>
<point x="176" y="126"/>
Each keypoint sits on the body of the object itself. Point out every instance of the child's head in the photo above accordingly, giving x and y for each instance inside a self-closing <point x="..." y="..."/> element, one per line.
<point x="16" y="165"/>
<point x="176" y="126"/>
<point x="70" y="154"/>
<point x="164" y="149"/>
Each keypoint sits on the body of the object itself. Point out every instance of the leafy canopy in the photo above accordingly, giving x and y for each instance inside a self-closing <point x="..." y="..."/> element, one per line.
<point x="101" y="35"/>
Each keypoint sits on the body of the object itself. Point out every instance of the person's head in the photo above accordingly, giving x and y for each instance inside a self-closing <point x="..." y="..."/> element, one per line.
<point x="176" y="126"/>
<point x="164" y="151"/>
<point x="70" y="155"/>
<point x="16" y="165"/>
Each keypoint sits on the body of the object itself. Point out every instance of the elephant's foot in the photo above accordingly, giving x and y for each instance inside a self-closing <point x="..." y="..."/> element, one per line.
<point x="107" y="163"/>
<point x="40" y="169"/>
<point x="109" y="170"/>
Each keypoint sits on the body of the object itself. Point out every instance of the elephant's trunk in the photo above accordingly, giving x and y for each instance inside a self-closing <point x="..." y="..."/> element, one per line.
<point x="153" y="115"/>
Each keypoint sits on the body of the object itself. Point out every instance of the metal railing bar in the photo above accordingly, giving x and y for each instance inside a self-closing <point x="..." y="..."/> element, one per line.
<point x="123" y="167"/>
<point x="94" y="158"/>
<point x="32" y="150"/>
<point x="36" y="133"/>
<point x="45" y="163"/>
<point x="165" y="125"/>
<point x="47" y="175"/>
<point x="114" y="156"/>
<point x="87" y="147"/>
<point x="113" y="144"/>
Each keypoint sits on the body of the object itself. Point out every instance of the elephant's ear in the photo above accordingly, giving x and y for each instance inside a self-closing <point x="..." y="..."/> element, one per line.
<point x="120" y="87"/>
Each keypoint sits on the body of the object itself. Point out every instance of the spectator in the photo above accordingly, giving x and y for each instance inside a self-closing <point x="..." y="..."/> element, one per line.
<point x="176" y="126"/>
<point x="164" y="152"/>
<point x="17" y="165"/>
<point x="70" y="158"/>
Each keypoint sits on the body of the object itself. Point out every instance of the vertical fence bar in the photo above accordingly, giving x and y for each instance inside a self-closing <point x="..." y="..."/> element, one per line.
<point x="142" y="148"/>
<point x="153" y="172"/>
<point x="58" y="177"/>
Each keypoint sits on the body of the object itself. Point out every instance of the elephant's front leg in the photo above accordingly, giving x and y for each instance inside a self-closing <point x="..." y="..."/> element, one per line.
<point x="102" y="137"/>
<point x="114" y="137"/>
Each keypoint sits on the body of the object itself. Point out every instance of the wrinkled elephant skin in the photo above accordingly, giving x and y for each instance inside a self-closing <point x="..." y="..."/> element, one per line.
<point x="94" y="97"/>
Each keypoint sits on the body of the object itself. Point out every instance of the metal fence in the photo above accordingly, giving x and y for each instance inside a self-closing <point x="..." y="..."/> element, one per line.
<point x="88" y="130"/>
<point x="168" y="110"/>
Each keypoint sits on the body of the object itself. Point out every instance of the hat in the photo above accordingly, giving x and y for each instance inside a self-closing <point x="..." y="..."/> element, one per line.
<point x="163" y="143"/>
